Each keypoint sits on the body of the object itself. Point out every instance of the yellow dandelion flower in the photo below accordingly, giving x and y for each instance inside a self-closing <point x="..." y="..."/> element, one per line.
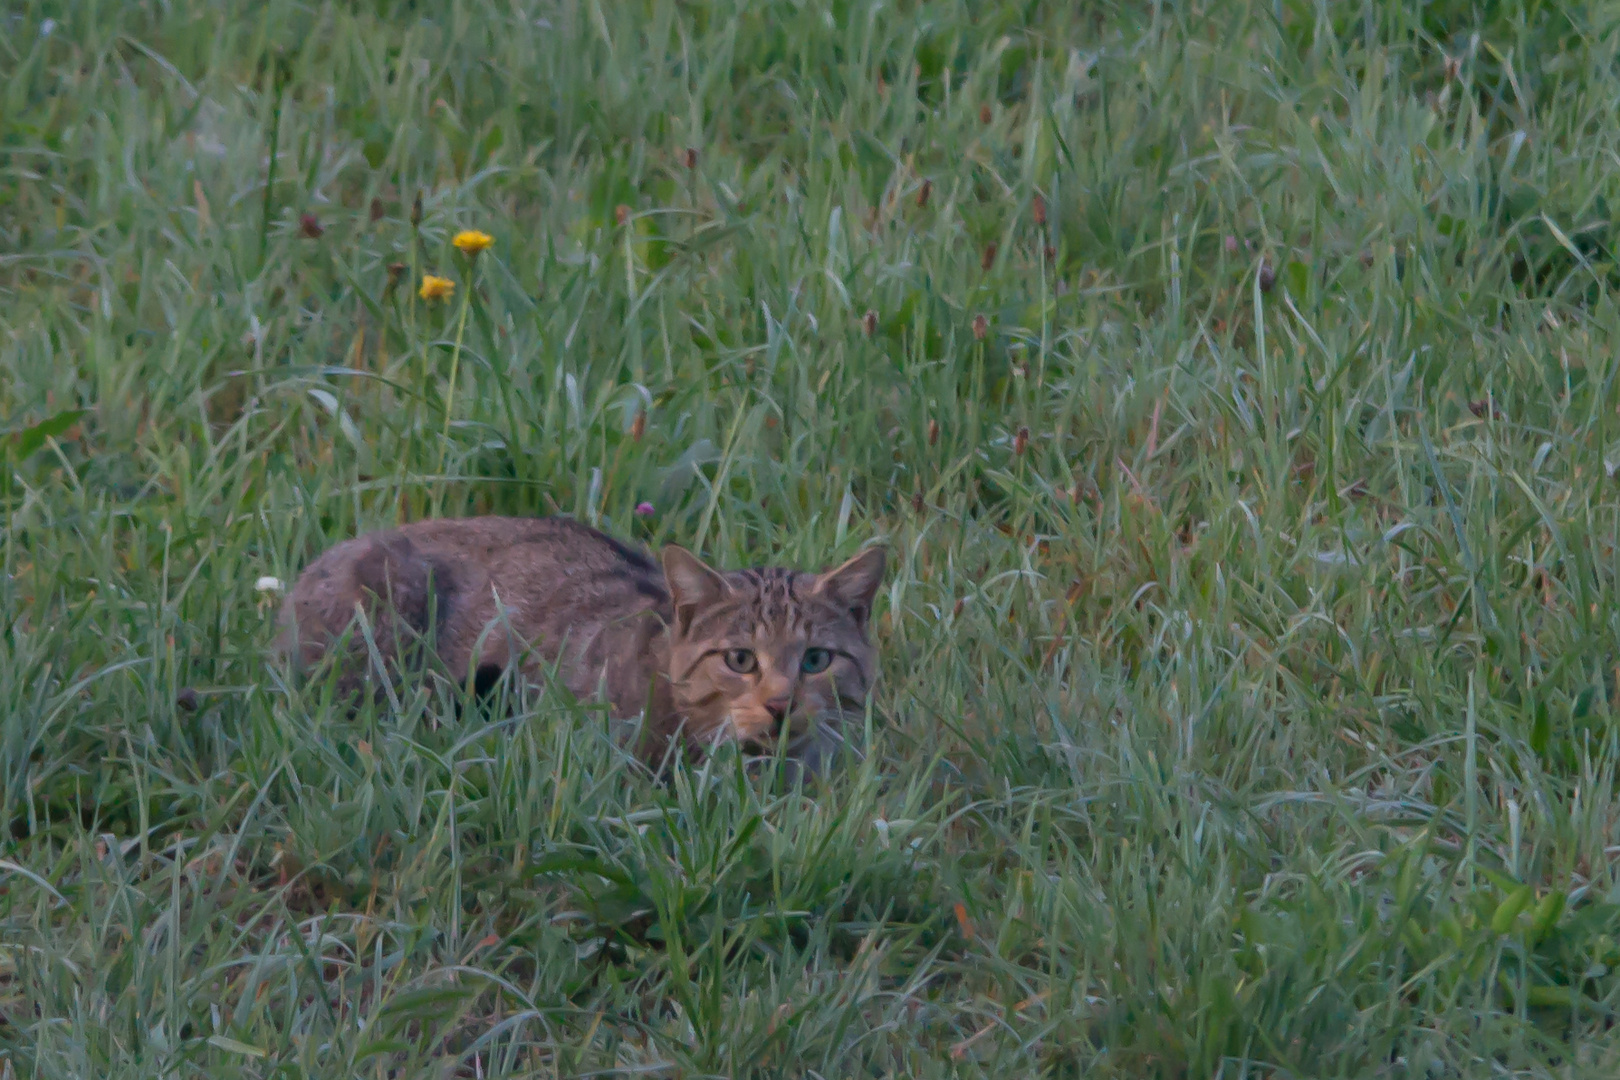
<point x="436" y="288"/>
<point x="471" y="241"/>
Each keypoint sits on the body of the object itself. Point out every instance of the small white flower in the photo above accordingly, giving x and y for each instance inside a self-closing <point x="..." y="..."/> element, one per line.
<point x="47" y="27"/>
<point x="269" y="584"/>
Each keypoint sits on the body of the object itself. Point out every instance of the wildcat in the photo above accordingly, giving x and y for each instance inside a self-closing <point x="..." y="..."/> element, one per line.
<point x="706" y="655"/>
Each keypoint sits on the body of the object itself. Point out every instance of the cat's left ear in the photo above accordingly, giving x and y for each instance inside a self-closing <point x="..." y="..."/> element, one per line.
<point x="692" y="582"/>
<point x="854" y="585"/>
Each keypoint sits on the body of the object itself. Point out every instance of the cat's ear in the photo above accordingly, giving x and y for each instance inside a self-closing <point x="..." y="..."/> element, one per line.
<point x="855" y="584"/>
<point x="692" y="582"/>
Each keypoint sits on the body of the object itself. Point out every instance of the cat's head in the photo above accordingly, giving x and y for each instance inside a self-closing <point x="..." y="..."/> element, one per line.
<point x="752" y="650"/>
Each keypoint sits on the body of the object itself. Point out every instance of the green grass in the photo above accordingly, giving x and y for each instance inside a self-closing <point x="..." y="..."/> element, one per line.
<point x="1249" y="700"/>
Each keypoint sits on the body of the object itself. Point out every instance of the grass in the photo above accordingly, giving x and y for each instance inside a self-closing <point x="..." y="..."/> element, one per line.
<point x="1234" y="382"/>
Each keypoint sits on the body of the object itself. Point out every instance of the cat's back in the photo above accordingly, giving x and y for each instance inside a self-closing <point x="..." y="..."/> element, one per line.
<point x="554" y="557"/>
<point x="546" y="574"/>
<point x="530" y="546"/>
<point x="548" y="580"/>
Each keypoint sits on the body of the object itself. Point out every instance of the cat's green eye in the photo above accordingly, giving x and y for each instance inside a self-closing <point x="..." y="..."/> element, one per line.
<point x="815" y="660"/>
<point x="742" y="661"/>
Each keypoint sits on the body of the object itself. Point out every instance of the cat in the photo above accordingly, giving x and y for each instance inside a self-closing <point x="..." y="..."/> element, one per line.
<point x="704" y="656"/>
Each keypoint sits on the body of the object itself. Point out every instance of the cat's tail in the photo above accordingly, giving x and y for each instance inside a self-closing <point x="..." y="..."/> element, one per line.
<point x="377" y="590"/>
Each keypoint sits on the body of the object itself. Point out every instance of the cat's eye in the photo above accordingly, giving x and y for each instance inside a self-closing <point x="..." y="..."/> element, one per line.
<point x="815" y="660"/>
<point x="742" y="661"/>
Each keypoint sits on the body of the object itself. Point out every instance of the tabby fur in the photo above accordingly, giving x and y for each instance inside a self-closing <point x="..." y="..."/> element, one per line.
<point x="698" y="653"/>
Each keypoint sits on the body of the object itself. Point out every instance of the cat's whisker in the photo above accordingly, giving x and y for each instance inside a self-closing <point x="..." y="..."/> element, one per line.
<point x="723" y="732"/>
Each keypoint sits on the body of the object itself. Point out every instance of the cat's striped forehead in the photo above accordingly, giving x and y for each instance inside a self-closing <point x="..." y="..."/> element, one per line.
<point x="773" y="600"/>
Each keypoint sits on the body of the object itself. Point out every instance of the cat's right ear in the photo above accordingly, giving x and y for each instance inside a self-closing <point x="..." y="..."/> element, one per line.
<point x="692" y="582"/>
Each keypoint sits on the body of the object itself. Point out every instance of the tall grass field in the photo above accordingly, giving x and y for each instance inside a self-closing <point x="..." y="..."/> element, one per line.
<point x="1232" y="381"/>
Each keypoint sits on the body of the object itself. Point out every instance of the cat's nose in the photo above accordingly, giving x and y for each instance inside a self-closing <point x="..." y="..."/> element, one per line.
<point x="778" y="707"/>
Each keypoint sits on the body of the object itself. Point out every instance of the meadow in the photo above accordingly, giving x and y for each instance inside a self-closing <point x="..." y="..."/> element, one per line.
<point x="1233" y="382"/>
